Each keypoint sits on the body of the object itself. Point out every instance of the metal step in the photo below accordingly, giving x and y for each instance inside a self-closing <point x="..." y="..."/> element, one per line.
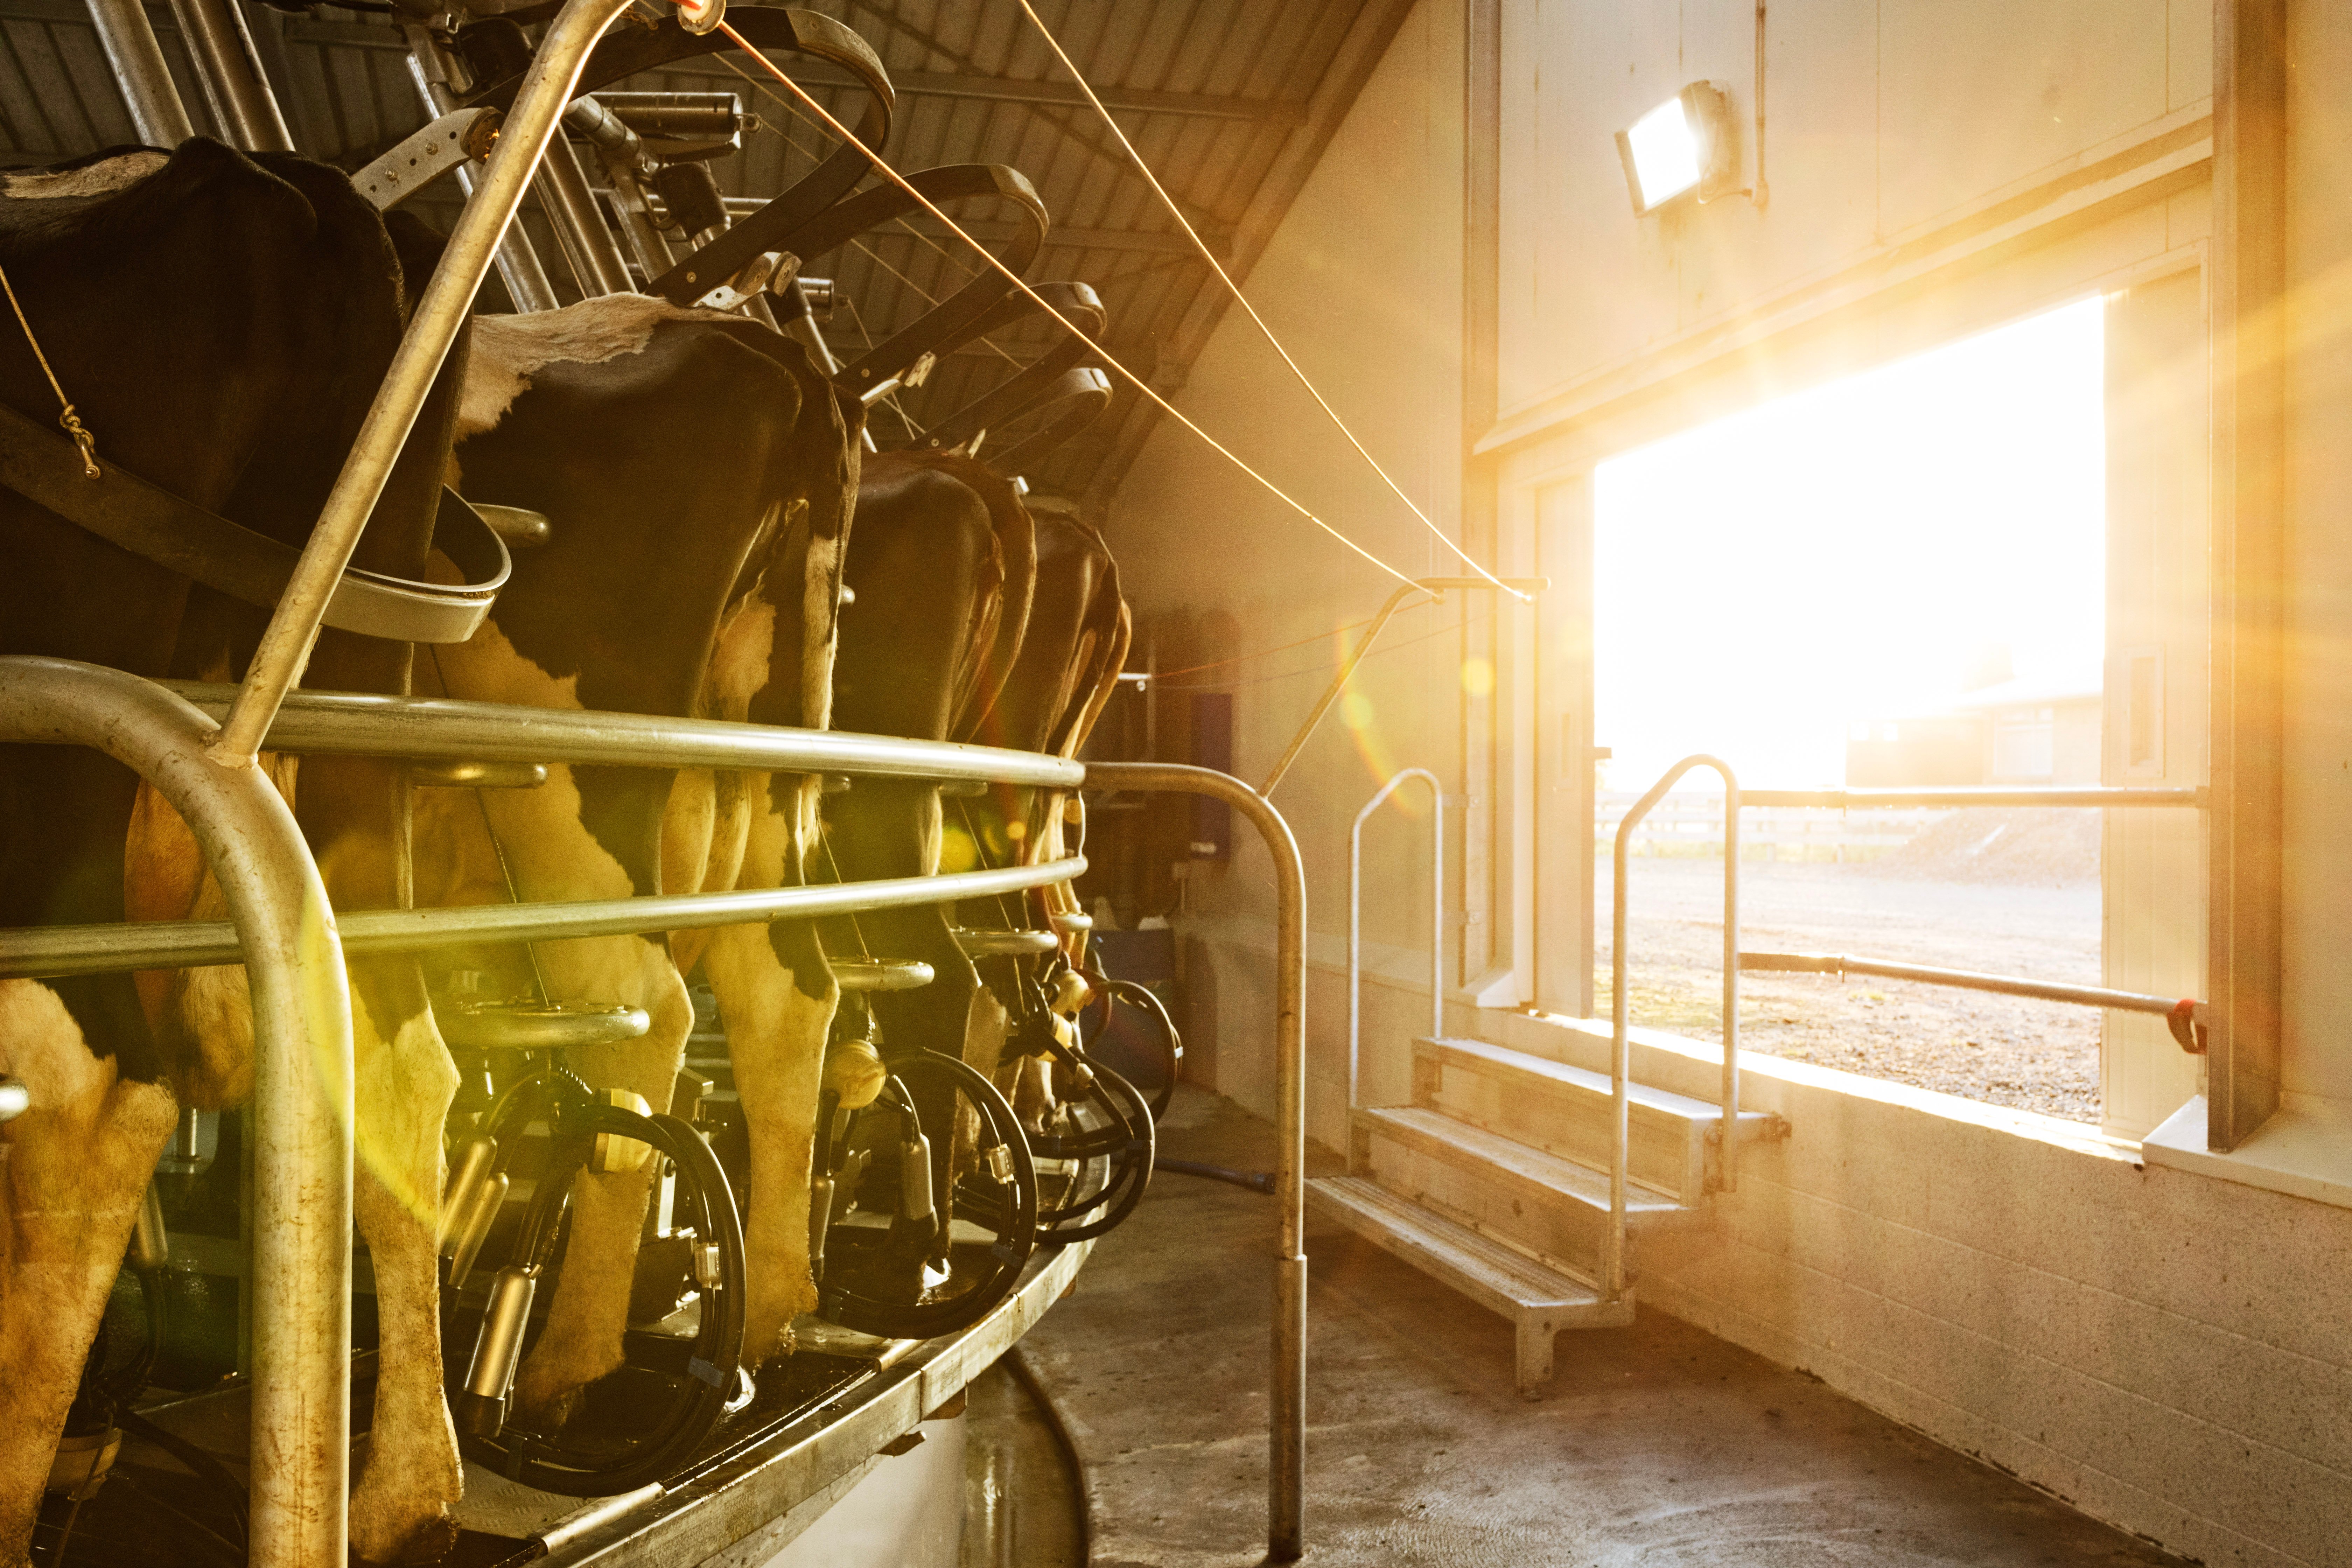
<point x="1539" y="1301"/>
<point x="1521" y="1197"/>
<point x="1565" y="1111"/>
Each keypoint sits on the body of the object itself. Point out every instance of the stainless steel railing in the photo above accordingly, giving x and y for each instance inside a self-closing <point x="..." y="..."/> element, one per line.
<point x="293" y="946"/>
<point x="1355" y="914"/>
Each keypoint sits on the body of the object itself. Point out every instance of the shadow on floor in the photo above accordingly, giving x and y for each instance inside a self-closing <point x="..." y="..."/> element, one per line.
<point x="1656" y="1444"/>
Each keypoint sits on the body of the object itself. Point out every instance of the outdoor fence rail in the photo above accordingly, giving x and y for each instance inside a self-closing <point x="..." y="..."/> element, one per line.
<point x="2181" y="1012"/>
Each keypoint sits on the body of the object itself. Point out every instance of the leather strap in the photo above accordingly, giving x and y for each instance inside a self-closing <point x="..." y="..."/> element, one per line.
<point x="122" y="508"/>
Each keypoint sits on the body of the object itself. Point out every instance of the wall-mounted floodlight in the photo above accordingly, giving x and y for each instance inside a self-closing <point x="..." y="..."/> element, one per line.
<point x="1688" y="143"/>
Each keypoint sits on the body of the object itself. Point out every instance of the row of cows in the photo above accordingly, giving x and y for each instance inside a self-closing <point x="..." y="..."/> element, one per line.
<point x="721" y="545"/>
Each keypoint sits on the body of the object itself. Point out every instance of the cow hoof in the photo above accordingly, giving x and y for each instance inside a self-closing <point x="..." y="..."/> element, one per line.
<point x="389" y="1545"/>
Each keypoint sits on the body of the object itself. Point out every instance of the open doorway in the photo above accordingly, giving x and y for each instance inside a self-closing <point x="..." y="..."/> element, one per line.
<point x="1896" y="579"/>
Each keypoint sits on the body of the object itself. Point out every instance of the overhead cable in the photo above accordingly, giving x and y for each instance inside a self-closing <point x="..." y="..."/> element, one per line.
<point x="1210" y="256"/>
<point x="1104" y="355"/>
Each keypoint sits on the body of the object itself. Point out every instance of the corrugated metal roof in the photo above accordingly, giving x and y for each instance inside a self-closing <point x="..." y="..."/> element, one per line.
<point x="1231" y="100"/>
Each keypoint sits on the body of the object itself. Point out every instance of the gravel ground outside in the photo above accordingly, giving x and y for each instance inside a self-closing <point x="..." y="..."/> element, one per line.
<point x="2005" y="1050"/>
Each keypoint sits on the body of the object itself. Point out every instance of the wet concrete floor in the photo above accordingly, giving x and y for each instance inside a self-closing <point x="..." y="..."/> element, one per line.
<point x="1656" y="1444"/>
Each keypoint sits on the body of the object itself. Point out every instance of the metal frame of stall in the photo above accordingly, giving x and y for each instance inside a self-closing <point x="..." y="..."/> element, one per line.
<point x="292" y="943"/>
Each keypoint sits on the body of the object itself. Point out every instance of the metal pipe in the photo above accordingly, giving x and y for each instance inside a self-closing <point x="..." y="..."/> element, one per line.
<point x="1976" y="795"/>
<point x="519" y="268"/>
<point x="1964" y="979"/>
<point x="347" y="724"/>
<point x="285" y="645"/>
<point x="148" y="92"/>
<point x="302" y="1077"/>
<point x="50" y="951"/>
<point x="1287" y="1413"/>
<point x="1436" y="914"/>
<point x="1436" y="588"/>
<point x="1620" y="1054"/>
<point x="229" y="69"/>
<point x="596" y="256"/>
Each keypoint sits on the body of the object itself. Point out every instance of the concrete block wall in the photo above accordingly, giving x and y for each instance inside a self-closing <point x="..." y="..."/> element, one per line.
<point x="2167" y="1351"/>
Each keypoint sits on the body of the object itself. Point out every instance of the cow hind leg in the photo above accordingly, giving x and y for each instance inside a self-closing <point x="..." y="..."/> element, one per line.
<point x="76" y="1166"/>
<point x="778" y="999"/>
<point x="590" y="1310"/>
<point x="400" y="1509"/>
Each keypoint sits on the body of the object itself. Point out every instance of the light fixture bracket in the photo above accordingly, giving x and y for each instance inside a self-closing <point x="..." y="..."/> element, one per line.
<point x="1705" y="143"/>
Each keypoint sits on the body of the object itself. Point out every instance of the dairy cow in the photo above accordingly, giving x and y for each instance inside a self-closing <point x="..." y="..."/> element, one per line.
<point x="698" y="474"/>
<point x="221" y="322"/>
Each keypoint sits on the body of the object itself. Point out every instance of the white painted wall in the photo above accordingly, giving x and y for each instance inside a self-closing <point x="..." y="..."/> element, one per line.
<point x="2166" y="1350"/>
<point x="1363" y="282"/>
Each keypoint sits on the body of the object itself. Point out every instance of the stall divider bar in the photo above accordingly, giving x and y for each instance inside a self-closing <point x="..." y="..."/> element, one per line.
<point x="50" y="951"/>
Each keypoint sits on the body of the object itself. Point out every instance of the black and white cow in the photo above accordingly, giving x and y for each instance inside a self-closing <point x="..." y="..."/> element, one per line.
<point x="222" y="323"/>
<point x="698" y="474"/>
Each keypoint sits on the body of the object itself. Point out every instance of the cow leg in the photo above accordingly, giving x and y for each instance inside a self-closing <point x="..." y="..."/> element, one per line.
<point x="589" y="1310"/>
<point x="76" y="1166"/>
<point x="778" y="998"/>
<point x="404" y="1081"/>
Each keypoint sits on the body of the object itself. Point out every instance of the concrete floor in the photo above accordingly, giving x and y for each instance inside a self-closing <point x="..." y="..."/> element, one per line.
<point x="1656" y="1445"/>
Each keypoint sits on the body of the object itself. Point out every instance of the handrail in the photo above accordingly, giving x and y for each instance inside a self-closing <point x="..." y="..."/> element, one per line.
<point x="2183" y="1013"/>
<point x="356" y="725"/>
<point x="1436" y="912"/>
<point x="1437" y="588"/>
<point x="44" y="953"/>
<point x="1983" y="795"/>
<point x="1287" y="1408"/>
<point x="1621" y="1051"/>
<point x="302" y="1077"/>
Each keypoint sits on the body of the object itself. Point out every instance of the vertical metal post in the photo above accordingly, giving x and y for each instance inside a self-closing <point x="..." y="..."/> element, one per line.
<point x="1620" y="1050"/>
<point x="229" y="68"/>
<point x="129" y="39"/>
<point x="518" y="267"/>
<point x="2247" y="292"/>
<point x="1355" y="914"/>
<point x="286" y="645"/>
<point x="302" y="1105"/>
<point x="1287" y="1412"/>
<point x="596" y="256"/>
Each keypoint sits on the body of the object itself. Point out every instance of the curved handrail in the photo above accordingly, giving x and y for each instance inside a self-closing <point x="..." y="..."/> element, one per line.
<point x="1436" y="910"/>
<point x="1612" y="1256"/>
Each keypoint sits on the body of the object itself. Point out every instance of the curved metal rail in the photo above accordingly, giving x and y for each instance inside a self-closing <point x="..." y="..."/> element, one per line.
<point x="1356" y="905"/>
<point x="1287" y="1412"/>
<point x="1613" y="1252"/>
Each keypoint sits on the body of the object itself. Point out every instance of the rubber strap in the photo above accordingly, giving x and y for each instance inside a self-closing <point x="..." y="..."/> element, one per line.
<point x="124" y="510"/>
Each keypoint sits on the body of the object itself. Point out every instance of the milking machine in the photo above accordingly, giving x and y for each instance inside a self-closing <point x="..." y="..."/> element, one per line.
<point x="683" y="1369"/>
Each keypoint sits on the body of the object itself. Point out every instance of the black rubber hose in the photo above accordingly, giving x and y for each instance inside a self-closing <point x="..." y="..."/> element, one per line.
<point x="1143" y="999"/>
<point x="207" y="1468"/>
<point x="1133" y="1166"/>
<point x="545" y="1462"/>
<point x="1255" y="1181"/>
<point x="1016" y="1223"/>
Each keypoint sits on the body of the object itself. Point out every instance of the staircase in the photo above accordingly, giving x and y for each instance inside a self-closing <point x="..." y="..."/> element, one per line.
<point x="1494" y="1181"/>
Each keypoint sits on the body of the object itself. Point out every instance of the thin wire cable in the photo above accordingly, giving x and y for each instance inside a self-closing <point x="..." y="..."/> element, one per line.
<point x="891" y="397"/>
<point x="1170" y="202"/>
<point x="1334" y="664"/>
<point x="874" y="256"/>
<point x="1106" y="357"/>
